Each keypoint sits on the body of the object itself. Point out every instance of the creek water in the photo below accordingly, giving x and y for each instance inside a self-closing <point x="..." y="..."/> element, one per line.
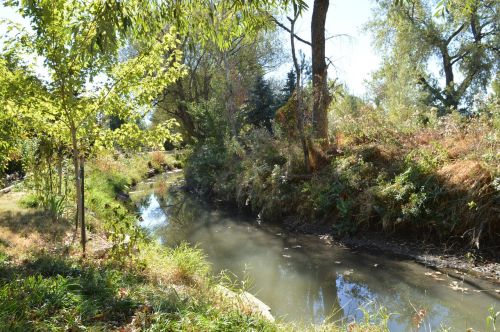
<point x="305" y="279"/>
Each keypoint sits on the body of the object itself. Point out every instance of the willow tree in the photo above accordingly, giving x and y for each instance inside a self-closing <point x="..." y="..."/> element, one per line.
<point x="461" y="39"/>
<point x="214" y="35"/>
<point x="79" y="42"/>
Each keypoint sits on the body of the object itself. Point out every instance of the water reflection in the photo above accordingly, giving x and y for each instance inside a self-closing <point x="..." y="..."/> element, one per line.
<point x="302" y="279"/>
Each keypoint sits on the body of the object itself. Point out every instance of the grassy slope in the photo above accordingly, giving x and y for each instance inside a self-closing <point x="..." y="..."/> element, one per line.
<point x="437" y="180"/>
<point x="46" y="286"/>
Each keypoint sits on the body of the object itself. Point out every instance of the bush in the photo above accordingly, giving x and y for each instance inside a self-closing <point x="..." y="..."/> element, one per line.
<point x="435" y="177"/>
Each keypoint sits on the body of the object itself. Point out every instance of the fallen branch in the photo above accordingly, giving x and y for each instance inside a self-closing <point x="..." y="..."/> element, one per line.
<point x="7" y="189"/>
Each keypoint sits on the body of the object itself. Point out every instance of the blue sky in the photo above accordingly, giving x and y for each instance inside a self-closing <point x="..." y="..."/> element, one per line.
<point x="353" y="56"/>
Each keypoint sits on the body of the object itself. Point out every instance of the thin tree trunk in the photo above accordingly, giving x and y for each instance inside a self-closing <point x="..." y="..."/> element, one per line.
<point x="230" y="105"/>
<point x="321" y="95"/>
<point x="78" y="186"/>
<point x="49" y="166"/>
<point x="59" y="171"/>
<point x="82" y="204"/>
<point x="298" y="94"/>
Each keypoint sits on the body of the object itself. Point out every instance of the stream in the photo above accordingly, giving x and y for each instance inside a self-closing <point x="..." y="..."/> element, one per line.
<point x="305" y="279"/>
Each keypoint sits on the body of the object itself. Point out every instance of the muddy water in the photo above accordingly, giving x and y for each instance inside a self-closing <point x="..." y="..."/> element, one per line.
<point x="303" y="278"/>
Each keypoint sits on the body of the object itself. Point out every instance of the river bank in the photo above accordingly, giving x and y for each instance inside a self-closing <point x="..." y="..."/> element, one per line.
<point x="452" y="258"/>
<point x="447" y="257"/>
<point x="45" y="284"/>
<point x="308" y="277"/>
<point x="429" y="192"/>
<point x="125" y="283"/>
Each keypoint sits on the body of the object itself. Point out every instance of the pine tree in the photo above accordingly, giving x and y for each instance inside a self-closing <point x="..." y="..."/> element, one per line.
<point x="261" y="104"/>
<point x="291" y="81"/>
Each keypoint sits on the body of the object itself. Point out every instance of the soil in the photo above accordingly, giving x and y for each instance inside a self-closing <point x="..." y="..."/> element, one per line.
<point x="448" y="257"/>
<point x="450" y="260"/>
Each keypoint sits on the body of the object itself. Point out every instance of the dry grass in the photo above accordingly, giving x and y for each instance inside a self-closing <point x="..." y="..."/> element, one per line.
<point x="27" y="231"/>
<point x="464" y="174"/>
<point x="24" y="230"/>
<point x="107" y="164"/>
<point x="158" y="158"/>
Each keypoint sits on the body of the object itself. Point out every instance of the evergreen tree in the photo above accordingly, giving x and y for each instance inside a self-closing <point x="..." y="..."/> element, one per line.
<point x="291" y="81"/>
<point x="261" y="104"/>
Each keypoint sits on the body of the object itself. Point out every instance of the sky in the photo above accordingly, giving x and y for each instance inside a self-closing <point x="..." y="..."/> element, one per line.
<point x="352" y="55"/>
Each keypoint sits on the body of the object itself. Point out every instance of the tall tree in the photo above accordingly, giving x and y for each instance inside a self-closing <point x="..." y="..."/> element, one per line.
<point x="287" y="90"/>
<point x="299" y="107"/>
<point x="321" y="95"/>
<point x="462" y="42"/>
<point x="262" y="105"/>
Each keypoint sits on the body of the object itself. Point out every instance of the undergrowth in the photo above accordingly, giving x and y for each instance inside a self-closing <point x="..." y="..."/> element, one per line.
<point x="436" y="179"/>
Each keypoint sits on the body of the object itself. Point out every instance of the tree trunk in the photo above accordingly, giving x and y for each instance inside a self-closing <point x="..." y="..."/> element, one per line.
<point x="51" y="180"/>
<point x="298" y="94"/>
<point x="450" y="98"/>
<point x="79" y="188"/>
<point x="230" y="104"/>
<point x="83" y="230"/>
<point x="59" y="171"/>
<point x="321" y="95"/>
<point x="182" y="112"/>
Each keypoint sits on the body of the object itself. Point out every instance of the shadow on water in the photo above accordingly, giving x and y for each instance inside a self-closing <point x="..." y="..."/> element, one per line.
<point x="303" y="279"/>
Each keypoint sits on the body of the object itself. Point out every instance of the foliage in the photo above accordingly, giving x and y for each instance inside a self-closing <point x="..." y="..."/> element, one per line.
<point x="261" y="104"/>
<point x="78" y="42"/>
<point x="112" y="176"/>
<point x="388" y="174"/>
<point x="460" y="41"/>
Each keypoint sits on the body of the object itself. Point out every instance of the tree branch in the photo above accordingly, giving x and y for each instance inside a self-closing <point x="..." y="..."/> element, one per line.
<point x="454" y="34"/>
<point x="435" y="92"/>
<point x="457" y="57"/>
<point x="284" y="27"/>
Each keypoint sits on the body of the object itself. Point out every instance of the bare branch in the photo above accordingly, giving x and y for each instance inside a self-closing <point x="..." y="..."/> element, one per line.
<point x="284" y="27"/>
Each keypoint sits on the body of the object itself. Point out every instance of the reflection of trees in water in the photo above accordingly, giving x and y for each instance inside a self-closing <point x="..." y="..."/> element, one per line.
<point x="181" y="216"/>
<point x="317" y="299"/>
<point x="308" y="285"/>
<point x="400" y="298"/>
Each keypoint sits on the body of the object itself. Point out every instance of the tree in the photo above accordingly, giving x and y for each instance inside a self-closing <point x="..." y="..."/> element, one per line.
<point x="298" y="91"/>
<point x="219" y="31"/>
<point x="262" y="105"/>
<point x="289" y="85"/>
<point x="463" y="42"/>
<point x="321" y="94"/>
<point x="79" y="41"/>
<point x="244" y="50"/>
<point x="13" y="101"/>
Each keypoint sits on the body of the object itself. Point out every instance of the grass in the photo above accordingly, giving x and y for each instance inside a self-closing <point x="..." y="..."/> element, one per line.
<point x="46" y="286"/>
<point x="46" y="293"/>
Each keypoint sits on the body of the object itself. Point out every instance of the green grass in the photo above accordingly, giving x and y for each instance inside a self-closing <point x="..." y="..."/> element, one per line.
<point x="140" y="286"/>
<point x="47" y="293"/>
